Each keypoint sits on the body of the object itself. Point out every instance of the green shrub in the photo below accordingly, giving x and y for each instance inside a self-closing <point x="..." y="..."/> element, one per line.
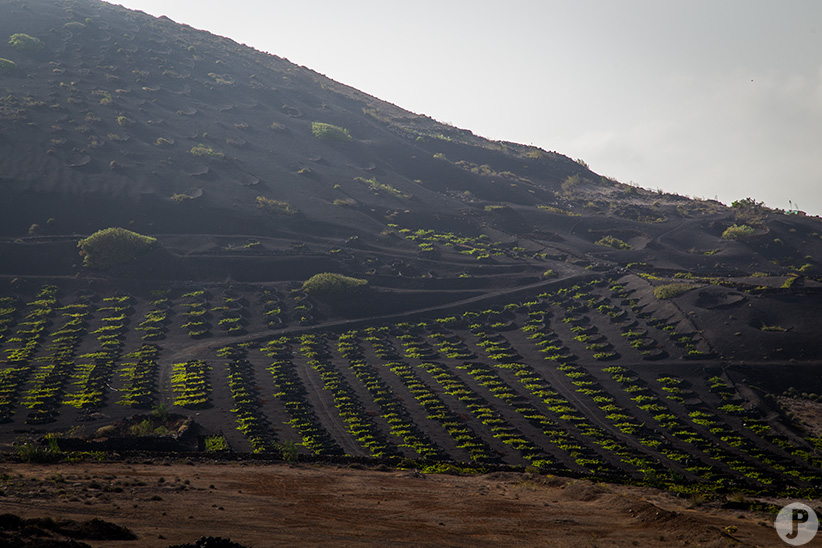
<point x="736" y="232"/>
<point x="276" y="206"/>
<point x="558" y="210"/>
<point x="669" y="291"/>
<point x="570" y="183"/>
<point x="610" y="241"/>
<point x="146" y="427"/>
<point x="329" y="283"/>
<point x="160" y="412"/>
<point x="112" y="246"/>
<point x="29" y="450"/>
<point x="24" y="42"/>
<point x="288" y="451"/>
<point x="382" y="188"/>
<point x="330" y="132"/>
<point x="202" y="150"/>
<point x="215" y="443"/>
<point x="7" y="65"/>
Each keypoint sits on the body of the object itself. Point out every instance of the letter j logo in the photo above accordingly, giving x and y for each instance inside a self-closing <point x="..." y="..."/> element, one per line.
<point x="796" y="524"/>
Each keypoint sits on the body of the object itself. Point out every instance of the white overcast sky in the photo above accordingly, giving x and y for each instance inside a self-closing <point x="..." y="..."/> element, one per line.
<point x="708" y="98"/>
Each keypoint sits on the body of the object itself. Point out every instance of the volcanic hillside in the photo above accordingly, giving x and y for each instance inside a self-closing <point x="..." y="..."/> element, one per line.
<point x="511" y="306"/>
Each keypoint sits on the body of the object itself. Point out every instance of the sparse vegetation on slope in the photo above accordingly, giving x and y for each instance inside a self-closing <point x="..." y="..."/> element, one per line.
<point x="669" y="291"/>
<point x="330" y="132"/>
<point x="277" y="207"/>
<point x="382" y="188"/>
<point x="737" y="232"/>
<point x="206" y="151"/>
<point x="611" y="241"/>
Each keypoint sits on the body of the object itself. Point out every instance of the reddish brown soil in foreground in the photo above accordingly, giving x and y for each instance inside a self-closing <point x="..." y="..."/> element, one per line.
<point x="279" y="505"/>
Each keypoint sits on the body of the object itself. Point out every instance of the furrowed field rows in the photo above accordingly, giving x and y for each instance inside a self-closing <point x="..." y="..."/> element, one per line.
<point x="585" y="379"/>
<point x="251" y="419"/>
<point x="392" y="409"/>
<point x="91" y="379"/>
<point x="21" y="348"/>
<point x="290" y="389"/>
<point x="48" y="383"/>
<point x="349" y="408"/>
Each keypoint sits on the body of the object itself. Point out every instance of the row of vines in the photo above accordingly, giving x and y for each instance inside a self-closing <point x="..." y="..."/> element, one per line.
<point x="581" y="380"/>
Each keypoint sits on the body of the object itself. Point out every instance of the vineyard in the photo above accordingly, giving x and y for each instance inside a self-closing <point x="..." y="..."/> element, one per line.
<point x="238" y="297"/>
<point x="588" y="378"/>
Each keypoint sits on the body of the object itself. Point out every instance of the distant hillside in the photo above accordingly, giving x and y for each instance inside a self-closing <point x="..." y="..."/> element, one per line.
<point x="127" y="117"/>
<point x="112" y="117"/>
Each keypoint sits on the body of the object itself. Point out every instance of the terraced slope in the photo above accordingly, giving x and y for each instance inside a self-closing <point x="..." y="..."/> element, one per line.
<point x="593" y="376"/>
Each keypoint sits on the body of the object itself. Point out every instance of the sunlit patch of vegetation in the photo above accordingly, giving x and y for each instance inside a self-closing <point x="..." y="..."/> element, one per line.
<point x="221" y="79"/>
<point x="190" y="383"/>
<point x="112" y="246"/>
<point x="558" y="210"/>
<point x="330" y="283"/>
<point x="738" y="232"/>
<point x="669" y="291"/>
<point x="382" y="188"/>
<point x="610" y="241"/>
<point x="330" y="132"/>
<point x="480" y="247"/>
<point x="276" y="206"/>
<point x="205" y="151"/>
<point x="215" y="443"/>
<point x="24" y="42"/>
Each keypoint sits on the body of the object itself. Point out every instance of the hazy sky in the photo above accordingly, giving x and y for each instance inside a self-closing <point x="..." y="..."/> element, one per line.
<point x="709" y="98"/>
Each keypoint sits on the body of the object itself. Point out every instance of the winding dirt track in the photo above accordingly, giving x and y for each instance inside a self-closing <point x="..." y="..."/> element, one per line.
<point x="192" y="351"/>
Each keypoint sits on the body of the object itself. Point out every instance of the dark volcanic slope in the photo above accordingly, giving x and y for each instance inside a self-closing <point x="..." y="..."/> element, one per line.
<point x="106" y="113"/>
<point x="118" y="118"/>
<point x="519" y="309"/>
